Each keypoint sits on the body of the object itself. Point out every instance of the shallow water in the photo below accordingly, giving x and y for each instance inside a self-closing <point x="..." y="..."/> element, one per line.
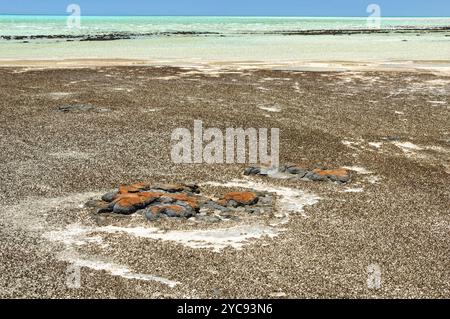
<point x="237" y="39"/>
<point x="46" y="25"/>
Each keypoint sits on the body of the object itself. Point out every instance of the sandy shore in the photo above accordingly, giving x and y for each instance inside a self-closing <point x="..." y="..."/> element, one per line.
<point x="438" y="67"/>
<point x="389" y="128"/>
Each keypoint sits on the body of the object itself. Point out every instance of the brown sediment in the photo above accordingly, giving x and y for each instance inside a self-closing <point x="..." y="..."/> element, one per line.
<point x="336" y="172"/>
<point x="340" y="172"/>
<point x="399" y="219"/>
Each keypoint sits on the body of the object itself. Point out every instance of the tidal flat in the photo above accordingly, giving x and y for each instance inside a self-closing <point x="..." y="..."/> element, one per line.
<point x="71" y="134"/>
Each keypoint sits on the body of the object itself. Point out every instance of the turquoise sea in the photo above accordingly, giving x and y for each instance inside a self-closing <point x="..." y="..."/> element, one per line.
<point x="47" y="25"/>
<point x="224" y="38"/>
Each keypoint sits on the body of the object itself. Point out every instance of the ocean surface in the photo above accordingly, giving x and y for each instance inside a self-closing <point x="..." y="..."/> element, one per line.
<point x="225" y="38"/>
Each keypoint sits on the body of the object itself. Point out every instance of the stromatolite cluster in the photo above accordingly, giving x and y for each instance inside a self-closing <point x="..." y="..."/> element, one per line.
<point x="177" y="201"/>
<point x="339" y="175"/>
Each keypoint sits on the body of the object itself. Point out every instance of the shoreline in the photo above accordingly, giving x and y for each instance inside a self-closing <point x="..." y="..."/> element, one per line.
<point x="112" y="36"/>
<point x="435" y="67"/>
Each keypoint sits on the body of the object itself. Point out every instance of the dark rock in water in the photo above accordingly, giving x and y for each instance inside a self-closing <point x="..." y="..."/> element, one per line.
<point x="111" y="36"/>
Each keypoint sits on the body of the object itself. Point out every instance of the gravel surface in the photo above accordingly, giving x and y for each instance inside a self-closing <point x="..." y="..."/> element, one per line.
<point x="73" y="134"/>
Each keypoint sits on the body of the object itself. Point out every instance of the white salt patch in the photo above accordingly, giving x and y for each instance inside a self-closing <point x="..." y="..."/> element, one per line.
<point x="417" y="152"/>
<point x="408" y="146"/>
<point x="399" y="113"/>
<point x="216" y="239"/>
<point x="122" y="89"/>
<point x="59" y="95"/>
<point x="348" y="143"/>
<point x="76" y="235"/>
<point x="275" y="173"/>
<point x="438" y="82"/>
<point x="270" y="79"/>
<point x="438" y="149"/>
<point x="273" y="109"/>
<point x="115" y="269"/>
<point x="291" y="200"/>
<point x="278" y="295"/>
<point x="148" y="110"/>
<point x="73" y="235"/>
<point x="376" y="144"/>
<point x="351" y="144"/>
<point x="447" y="168"/>
<point x="373" y="179"/>
<point x="353" y="190"/>
<point x="27" y="215"/>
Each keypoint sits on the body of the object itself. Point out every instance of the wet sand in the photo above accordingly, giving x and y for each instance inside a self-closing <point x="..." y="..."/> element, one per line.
<point x="438" y="67"/>
<point x="390" y="128"/>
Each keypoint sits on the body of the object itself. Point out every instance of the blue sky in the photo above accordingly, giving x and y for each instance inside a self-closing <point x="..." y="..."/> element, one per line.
<point x="230" y="7"/>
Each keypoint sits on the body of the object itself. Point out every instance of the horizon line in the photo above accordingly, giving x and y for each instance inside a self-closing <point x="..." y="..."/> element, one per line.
<point x="212" y="16"/>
